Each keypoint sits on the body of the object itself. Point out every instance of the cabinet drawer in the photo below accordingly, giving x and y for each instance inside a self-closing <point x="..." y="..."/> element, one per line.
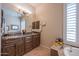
<point x="9" y="50"/>
<point x="8" y="42"/>
<point x="29" y="43"/>
<point x="28" y="38"/>
<point x="28" y="49"/>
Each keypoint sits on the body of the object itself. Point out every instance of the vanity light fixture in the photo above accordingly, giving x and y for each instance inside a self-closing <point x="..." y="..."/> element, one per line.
<point x="23" y="9"/>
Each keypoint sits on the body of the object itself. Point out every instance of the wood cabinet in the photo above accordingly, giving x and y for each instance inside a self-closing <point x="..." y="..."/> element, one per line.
<point x="8" y="51"/>
<point x="12" y="47"/>
<point x="28" y="44"/>
<point x="8" y="48"/>
<point x="20" y="47"/>
<point x="36" y="40"/>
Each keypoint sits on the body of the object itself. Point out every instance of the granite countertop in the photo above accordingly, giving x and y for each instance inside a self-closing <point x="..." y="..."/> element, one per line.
<point x="19" y="36"/>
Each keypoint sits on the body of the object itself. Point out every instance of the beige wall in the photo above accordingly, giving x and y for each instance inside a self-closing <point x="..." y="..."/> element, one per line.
<point x="52" y="15"/>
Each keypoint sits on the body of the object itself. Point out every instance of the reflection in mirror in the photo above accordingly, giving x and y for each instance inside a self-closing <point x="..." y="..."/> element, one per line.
<point x="14" y="21"/>
<point x="14" y="27"/>
<point x="23" y="23"/>
<point x="7" y="28"/>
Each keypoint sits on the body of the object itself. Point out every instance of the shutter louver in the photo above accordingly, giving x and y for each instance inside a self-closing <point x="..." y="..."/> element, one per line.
<point x="71" y="22"/>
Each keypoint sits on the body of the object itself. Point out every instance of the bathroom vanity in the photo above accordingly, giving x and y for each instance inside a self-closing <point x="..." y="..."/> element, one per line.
<point x="20" y="44"/>
<point x="14" y="20"/>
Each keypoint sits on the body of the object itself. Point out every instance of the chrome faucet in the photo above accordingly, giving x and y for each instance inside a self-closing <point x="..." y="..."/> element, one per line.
<point x="70" y="49"/>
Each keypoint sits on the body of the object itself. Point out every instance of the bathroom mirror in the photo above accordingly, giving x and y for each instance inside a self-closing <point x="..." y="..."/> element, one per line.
<point x="13" y="21"/>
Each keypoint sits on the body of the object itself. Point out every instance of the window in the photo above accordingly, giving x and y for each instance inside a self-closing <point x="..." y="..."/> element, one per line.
<point x="71" y="12"/>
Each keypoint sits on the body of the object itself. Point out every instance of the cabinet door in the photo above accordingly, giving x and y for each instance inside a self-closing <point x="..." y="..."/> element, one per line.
<point x="20" y="47"/>
<point x="8" y="51"/>
<point x="8" y="47"/>
<point x="28" y="44"/>
<point x="36" y="40"/>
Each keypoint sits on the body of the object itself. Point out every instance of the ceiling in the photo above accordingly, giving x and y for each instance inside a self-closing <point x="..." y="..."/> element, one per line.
<point x="36" y="5"/>
<point x="18" y="6"/>
<point x="24" y="5"/>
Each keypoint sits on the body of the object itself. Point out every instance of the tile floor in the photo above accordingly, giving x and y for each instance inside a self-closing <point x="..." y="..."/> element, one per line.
<point x="39" y="51"/>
